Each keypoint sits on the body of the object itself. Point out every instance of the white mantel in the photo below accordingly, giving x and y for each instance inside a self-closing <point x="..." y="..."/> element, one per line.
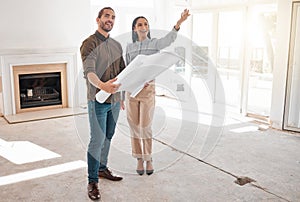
<point x="10" y="58"/>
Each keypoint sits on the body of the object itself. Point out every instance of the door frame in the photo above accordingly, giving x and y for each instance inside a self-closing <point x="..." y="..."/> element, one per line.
<point x="295" y="14"/>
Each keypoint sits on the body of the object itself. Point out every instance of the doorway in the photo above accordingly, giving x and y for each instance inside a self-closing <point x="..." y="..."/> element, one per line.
<point x="291" y="119"/>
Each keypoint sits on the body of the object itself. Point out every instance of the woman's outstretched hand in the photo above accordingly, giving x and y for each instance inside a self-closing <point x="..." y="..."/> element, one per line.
<point x="184" y="15"/>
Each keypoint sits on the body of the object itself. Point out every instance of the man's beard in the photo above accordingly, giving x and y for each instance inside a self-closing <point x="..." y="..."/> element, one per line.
<point x="105" y="29"/>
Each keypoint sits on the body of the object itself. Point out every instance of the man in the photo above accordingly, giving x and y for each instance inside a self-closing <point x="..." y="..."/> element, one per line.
<point x="102" y="62"/>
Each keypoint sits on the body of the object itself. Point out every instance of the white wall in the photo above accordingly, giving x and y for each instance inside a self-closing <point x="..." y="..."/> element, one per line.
<point x="281" y="62"/>
<point x="43" y="26"/>
<point x="43" y="23"/>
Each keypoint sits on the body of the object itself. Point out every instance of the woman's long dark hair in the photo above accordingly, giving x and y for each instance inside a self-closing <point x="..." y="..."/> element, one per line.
<point x="134" y="34"/>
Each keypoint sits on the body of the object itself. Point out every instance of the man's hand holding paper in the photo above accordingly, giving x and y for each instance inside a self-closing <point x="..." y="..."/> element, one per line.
<point x="110" y="86"/>
<point x="140" y="71"/>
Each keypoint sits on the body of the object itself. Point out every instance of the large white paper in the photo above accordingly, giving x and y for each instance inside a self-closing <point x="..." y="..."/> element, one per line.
<point x="141" y="70"/>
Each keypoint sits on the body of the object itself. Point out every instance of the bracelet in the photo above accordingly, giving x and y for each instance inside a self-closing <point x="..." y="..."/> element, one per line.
<point x="176" y="29"/>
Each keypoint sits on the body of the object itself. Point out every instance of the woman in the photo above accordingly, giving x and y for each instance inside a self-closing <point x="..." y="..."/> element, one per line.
<point x="140" y="108"/>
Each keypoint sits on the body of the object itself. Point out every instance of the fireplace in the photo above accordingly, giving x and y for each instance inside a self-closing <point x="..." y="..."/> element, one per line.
<point x="40" y="86"/>
<point x="37" y="90"/>
<point x="58" y="64"/>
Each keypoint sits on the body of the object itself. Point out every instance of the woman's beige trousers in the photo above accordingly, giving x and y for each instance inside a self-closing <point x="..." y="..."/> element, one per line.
<point x="140" y="115"/>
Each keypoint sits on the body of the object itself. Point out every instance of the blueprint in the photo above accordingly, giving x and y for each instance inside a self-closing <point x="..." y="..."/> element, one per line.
<point x="141" y="70"/>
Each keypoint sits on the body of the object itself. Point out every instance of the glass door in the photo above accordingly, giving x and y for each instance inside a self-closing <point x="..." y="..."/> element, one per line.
<point x="229" y="55"/>
<point x="240" y="44"/>
<point x="218" y="34"/>
<point x="292" y="104"/>
<point x="202" y="51"/>
<point x="260" y="51"/>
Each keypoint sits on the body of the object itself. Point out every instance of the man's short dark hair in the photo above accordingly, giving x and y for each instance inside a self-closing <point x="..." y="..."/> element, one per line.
<point x="102" y="10"/>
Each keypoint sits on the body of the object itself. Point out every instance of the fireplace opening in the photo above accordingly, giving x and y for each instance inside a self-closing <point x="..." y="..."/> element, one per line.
<point x="42" y="89"/>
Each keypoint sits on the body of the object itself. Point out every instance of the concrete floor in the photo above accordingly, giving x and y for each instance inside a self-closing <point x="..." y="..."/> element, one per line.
<point x="193" y="161"/>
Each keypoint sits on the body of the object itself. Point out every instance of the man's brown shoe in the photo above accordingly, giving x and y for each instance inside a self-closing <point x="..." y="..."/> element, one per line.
<point x="93" y="191"/>
<point x="108" y="175"/>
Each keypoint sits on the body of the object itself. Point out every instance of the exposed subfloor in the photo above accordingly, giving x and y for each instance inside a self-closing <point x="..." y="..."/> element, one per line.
<point x="45" y="160"/>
